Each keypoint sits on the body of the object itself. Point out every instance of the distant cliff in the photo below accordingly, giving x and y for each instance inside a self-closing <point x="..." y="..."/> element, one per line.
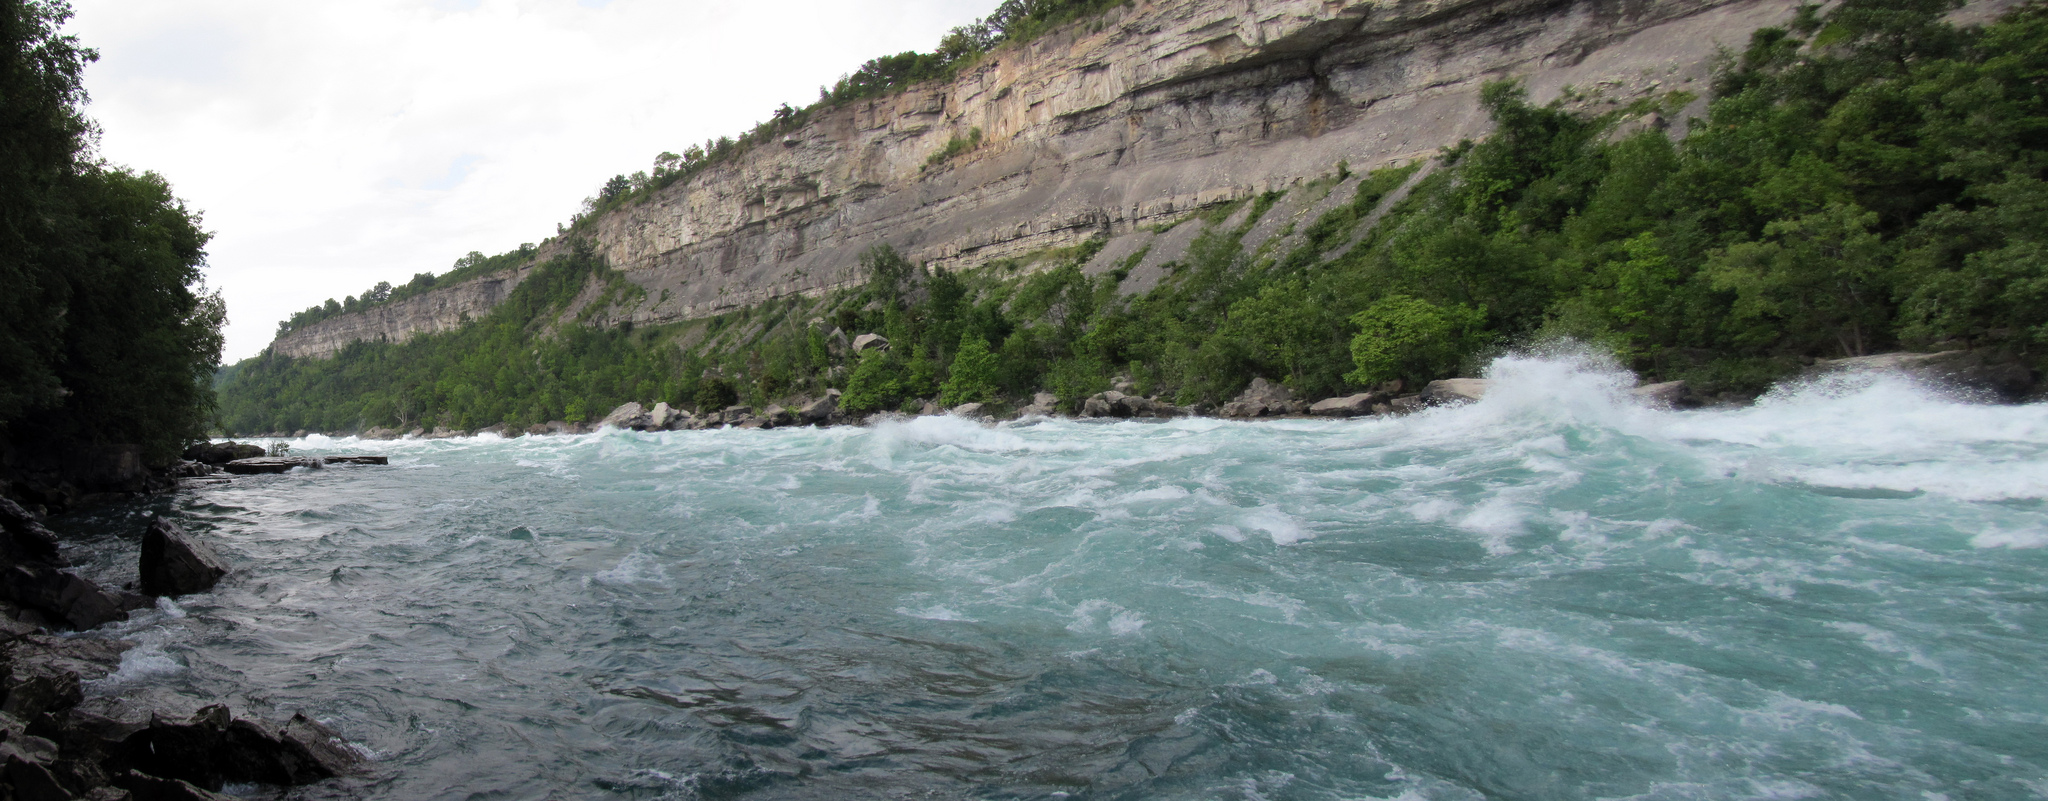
<point x="1107" y="129"/>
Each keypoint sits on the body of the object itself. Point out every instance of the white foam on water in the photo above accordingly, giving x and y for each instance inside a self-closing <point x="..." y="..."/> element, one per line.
<point x="1996" y="538"/>
<point x="147" y="660"/>
<point x="937" y="612"/>
<point x="636" y="570"/>
<point x="1281" y="527"/>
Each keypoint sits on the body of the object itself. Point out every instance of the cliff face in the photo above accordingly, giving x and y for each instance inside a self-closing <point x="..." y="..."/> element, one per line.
<point x="440" y="310"/>
<point x="1106" y="129"/>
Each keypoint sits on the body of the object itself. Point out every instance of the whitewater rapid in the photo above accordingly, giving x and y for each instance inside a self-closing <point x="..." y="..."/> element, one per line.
<point x="1551" y="593"/>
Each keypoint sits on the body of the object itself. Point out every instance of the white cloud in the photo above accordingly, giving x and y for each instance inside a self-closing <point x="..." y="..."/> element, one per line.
<point x="333" y="145"/>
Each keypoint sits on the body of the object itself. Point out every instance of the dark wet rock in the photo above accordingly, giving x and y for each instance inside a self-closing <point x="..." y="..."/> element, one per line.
<point x="1348" y="406"/>
<point x="186" y="468"/>
<point x="220" y="453"/>
<point x="60" y="597"/>
<point x="35" y="686"/>
<point x="28" y="781"/>
<point x="537" y="430"/>
<point x="23" y="537"/>
<point x="144" y="787"/>
<point x="175" y="563"/>
<point x="271" y="464"/>
<point x="1455" y="390"/>
<point x="1406" y="404"/>
<point x="1979" y="371"/>
<point x="214" y="748"/>
<point x="381" y="460"/>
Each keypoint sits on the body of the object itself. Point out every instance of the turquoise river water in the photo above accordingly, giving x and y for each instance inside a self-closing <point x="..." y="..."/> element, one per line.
<point x="1841" y="592"/>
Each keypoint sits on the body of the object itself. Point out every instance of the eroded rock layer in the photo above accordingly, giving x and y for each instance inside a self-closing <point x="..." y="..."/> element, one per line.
<point x="1106" y="129"/>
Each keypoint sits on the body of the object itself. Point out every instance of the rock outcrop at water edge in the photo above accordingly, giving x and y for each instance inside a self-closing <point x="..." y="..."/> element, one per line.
<point x="174" y="563"/>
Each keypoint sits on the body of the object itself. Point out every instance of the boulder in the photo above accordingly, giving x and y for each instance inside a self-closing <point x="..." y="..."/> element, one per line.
<point x="660" y="417"/>
<point x="28" y="781"/>
<point x="820" y="410"/>
<point x="1667" y="395"/>
<point x="1455" y="390"/>
<point x="23" y="538"/>
<point x="220" y="453"/>
<point x="272" y="464"/>
<point x="867" y="342"/>
<point x="499" y="429"/>
<point x="628" y="416"/>
<point x="144" y="787"/>
<point x="837" y="343"/>
<point x="1406" y="404"/>
<point x="971" y="411"/>
<point x="62" y="597"/>
<point x="1043" y="404"/>
<point x="214" y="748"/>
<point x="444" y="432"/>
<point x="35" y="686"/>
<point x="776" y="415"/>
<point x="174" y="563"/>
<point x="1101" y="404"/>
<point x="381" y="433"/>
<point x="1977" y="371"/>
<point x="1261" y="399"/>
<point x="1348" y="406"/>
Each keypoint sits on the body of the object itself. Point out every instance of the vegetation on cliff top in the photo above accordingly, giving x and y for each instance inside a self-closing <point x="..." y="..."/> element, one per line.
<point x="1867" y="179"/>
<point x="106" y="333"/>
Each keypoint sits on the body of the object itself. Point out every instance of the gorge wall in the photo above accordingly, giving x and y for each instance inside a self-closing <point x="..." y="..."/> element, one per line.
<point x="1104" y="130"/>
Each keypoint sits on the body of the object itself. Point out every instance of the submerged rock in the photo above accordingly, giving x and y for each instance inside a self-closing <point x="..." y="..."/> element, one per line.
<point x="271" y="464"/>
<point x="384" y="460"/>
<point x="173" y="563"/>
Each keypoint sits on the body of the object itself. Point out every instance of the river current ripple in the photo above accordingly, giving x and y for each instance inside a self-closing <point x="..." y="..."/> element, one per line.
<point x="1841" y="592"/>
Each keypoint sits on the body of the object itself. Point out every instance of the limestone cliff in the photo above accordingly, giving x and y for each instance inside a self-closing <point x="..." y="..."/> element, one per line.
<point x="1104" y="129"/>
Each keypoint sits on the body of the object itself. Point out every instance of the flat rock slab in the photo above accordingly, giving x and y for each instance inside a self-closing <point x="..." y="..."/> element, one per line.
<point x="358" y="460"/>
<point x="271" y="464"/>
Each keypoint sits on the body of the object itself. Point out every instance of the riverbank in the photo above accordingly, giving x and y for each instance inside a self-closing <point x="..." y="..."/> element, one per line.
<point x="1981" y="376"/>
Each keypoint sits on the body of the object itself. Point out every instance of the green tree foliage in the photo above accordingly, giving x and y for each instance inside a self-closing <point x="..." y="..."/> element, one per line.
<point x="106" y="334"/>
<point x="1401" y="338"/>
<point x="973" y="378"/>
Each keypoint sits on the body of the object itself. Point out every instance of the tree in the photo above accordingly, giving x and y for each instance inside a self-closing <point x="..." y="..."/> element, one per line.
<point x="1407" y="338"/>
<point x="973" y="377"/>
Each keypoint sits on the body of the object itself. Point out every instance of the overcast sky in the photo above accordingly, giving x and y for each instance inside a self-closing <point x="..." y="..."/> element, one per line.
<point x="332" y="144"/>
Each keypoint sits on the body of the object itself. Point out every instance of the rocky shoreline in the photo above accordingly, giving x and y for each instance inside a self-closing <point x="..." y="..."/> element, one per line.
<point x="56" y="745"/>
<point x="1986" y="376"/>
